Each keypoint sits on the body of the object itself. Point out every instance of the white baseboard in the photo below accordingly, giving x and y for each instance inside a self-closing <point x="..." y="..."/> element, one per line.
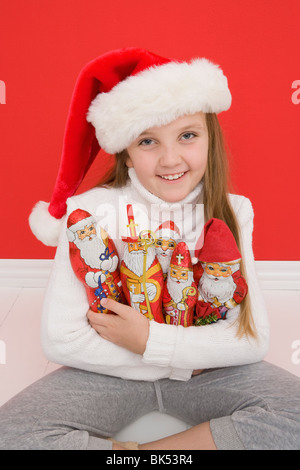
<point x="278" y="275"/>
<point x="25" y="272"/>
<point x="273" y="275"/>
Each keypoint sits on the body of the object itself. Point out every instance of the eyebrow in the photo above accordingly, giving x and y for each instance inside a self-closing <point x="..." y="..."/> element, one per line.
<point x="191" y="126"/>
<point x="182" y="129"/>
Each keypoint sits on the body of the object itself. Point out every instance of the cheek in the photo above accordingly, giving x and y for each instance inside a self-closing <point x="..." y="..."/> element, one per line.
<point x="145" y="171"/>
<point x="228" y="274"/>
<point x="198" y="161"/>
<point x="202" y="155"/>
<point x="139" y="160"/>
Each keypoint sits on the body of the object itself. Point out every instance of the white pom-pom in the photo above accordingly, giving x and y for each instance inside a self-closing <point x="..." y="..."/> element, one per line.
<point x="194" y="260"/>
<point x="43" y="225"/>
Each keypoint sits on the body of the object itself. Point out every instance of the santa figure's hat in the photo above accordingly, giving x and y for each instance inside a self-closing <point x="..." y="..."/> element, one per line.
<point x="168" y="229"/>
<point x="219" y="245"/>
<point x="181" y="257"/>
<point x="77" y="220"/>
<point x="116" y="97"/>
<point x="132" y="236"/>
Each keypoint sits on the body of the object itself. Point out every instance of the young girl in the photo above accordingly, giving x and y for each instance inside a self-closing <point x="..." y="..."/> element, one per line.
<point x="159" y="117"/>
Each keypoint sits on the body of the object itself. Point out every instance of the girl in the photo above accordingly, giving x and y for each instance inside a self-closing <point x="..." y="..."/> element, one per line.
<point x="159" y="117"/>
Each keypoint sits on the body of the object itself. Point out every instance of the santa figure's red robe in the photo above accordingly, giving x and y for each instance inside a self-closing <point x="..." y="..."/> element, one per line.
<point x="110" y="287"/>
<point x="217" y="310"/>
<point x="135" y="284"/>
<point x="176" y="316"/>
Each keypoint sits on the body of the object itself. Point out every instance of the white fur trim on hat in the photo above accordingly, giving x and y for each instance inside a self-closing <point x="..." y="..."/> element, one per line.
<point x="44" y="226"/>
<point x="82" y="223"/>
<point x="156" y="97"/>
<point x="168" y="233"/>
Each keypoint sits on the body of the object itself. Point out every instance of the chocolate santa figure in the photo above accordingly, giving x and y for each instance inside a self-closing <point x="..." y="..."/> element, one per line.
<point x="167" y="236"/>
<point x="94" y="259"/>
<point x="217" y="273"/>
<point x="180" y="291"/>
<point x="141" y="273"/>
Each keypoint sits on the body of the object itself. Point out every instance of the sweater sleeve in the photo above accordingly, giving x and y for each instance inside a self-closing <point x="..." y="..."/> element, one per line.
<point x="68" y="339"/>
<point x="216" y="345"/>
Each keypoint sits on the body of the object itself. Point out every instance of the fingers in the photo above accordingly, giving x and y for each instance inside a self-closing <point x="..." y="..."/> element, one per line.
<point x="124" y="326"/>
<point x="111" y="305"/>
<point x="97" y="318"/>
<point x="116" y="307"/>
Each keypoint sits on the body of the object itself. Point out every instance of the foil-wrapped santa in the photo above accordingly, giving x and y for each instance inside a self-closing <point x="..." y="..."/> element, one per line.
<point x="94" y="259"/>
<point x="140" y="271"/>
<point x="180" y="291"/>
<point x="220" y="283"/>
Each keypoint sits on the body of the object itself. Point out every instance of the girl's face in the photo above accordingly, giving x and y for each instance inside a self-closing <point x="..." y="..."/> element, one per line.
<point x="171" y="160"/>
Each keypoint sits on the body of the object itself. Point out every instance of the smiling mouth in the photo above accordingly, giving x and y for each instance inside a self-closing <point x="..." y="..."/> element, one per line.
<point x="172" y="177"/>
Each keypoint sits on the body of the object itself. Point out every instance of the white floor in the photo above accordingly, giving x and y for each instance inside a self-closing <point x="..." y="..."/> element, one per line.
<point x="22" y="360"/>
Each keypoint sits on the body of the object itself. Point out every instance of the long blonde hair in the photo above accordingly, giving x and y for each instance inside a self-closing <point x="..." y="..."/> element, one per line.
<point x="216" y="204"/>
<point x="215" y="199"/>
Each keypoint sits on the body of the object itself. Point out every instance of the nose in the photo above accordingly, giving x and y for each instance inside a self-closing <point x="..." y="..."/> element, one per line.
<point x="170" y="156"/>
<point x="164" y="245"/>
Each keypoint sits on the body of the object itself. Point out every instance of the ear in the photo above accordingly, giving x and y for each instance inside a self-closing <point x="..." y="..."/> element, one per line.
<point x="128" y="162"/>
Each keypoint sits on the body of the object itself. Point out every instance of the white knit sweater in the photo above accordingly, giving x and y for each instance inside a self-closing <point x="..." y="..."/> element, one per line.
<point x="172" y="351"/>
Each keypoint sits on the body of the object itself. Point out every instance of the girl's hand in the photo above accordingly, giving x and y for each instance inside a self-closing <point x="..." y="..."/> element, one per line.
<point x="127" y="328"/>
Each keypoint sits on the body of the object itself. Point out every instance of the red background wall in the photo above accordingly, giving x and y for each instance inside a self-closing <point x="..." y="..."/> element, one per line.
<point x="45" y="43"/>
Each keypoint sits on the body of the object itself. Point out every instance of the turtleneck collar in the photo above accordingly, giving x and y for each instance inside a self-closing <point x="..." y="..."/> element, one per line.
<point x="187" y="214"/>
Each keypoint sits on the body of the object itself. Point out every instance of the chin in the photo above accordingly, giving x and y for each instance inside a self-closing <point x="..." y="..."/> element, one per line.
<point x="174" y="197"/>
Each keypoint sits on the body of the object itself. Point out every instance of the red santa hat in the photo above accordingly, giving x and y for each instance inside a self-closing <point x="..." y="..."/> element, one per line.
<point x="219" y="245"/>
<point x="77" y="220"/>
<point x="116" y="97"/>
<point x="181" y="256"/>
<point x="168" y="229"/>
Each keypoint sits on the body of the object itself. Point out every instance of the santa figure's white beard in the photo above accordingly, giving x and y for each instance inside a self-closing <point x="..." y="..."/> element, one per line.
<point x="134" y="260"/>
<point x="223" y="289"/>
<point x="175" y="289"/>
<point x="164" y="259"/>
<point x="90" y="250"/>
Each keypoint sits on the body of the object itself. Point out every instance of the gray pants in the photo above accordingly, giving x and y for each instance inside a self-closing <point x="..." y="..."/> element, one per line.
<point x="249" y="407"/>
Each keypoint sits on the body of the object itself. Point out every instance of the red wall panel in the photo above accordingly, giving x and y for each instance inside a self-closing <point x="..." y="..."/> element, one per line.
<point x="44" y="44"/>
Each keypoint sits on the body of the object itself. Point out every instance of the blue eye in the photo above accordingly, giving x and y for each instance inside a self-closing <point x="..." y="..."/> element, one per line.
<point x="146" y="142"/>
<point x="188" y="136"/>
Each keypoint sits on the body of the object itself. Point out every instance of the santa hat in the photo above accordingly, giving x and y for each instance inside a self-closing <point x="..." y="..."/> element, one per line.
<point x="168" y="229"/>
<point x="77" y="220"/>
<point x="181" y="256"/>
<point x="219" y="244"/>
<point x="116" y="97"/>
